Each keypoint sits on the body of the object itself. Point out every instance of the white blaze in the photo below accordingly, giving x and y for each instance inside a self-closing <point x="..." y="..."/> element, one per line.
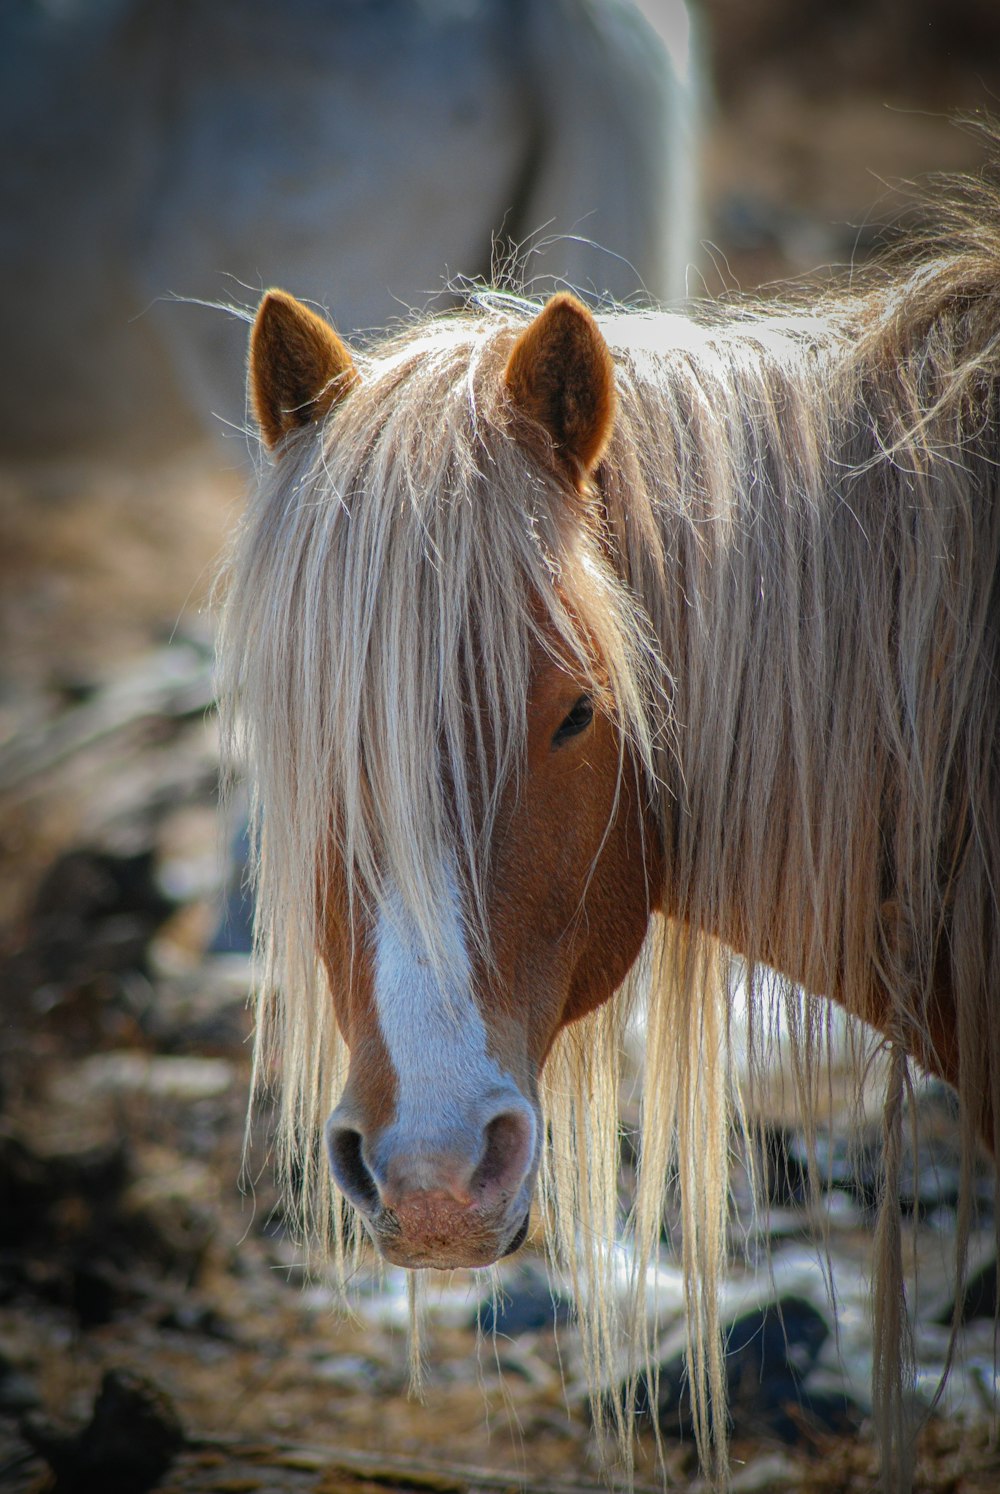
<point x="431" y="1024"/>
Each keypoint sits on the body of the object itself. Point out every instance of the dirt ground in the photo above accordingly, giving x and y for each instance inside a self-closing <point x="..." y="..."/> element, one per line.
<point x="132" y="1240"/>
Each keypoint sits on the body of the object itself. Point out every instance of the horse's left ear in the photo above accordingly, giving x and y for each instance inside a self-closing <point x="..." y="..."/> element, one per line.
<point x="299" y="368"/>
<point x="561" y="376"/>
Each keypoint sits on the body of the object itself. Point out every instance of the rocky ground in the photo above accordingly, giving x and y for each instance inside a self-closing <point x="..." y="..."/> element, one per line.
<point x="157" y="1327"/>
<point x="147" y="1279"/>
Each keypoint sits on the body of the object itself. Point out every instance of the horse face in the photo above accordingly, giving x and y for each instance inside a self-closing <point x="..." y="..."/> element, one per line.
<point x="437" y="1137"/>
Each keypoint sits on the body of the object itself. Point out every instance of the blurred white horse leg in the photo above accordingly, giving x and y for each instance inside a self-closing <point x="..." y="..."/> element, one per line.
<point x="364" y="155"/>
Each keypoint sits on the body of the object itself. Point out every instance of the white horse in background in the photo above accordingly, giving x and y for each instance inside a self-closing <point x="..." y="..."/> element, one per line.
<point x="366" y="154"/>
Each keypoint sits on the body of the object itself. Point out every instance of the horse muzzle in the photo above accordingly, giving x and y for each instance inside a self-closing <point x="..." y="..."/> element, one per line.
<point x="441" y="1196"/>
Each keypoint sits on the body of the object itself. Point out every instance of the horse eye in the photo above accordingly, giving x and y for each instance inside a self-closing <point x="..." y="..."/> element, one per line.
<point x="577" y="721"/>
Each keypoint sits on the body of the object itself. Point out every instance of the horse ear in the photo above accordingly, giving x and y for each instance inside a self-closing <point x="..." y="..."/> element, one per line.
<point x="560" y="374"/>
<point x="299" y="368"/>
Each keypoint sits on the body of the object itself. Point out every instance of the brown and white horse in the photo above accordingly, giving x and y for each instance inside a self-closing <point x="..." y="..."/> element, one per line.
<point x="570" y="654"/>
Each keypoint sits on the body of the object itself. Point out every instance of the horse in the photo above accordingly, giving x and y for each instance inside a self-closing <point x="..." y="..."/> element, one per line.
<point x="572" y="654"/>
<point x="217" y="148"/>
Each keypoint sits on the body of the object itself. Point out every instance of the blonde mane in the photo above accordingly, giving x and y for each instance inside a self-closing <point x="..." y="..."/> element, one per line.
<point x="789" y="575"/>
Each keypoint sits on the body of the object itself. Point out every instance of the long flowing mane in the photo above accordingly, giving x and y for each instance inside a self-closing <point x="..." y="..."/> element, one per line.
<point x="789" y="574"/>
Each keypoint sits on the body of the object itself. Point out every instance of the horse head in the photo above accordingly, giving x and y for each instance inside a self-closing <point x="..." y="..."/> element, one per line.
<point x="529" y="648"/>
<point x="452" y="973"/>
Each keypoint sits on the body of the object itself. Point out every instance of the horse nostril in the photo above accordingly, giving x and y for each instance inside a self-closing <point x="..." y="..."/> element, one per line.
<point x="350" y="1171"/>
<point x="510" y="1144"/>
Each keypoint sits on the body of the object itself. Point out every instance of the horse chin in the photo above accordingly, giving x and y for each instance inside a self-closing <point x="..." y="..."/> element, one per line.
<point x="440" y="1255"/>
<point x="473" y="1246"/>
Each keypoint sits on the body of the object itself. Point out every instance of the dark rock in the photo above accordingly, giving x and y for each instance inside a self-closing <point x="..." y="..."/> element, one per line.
<point x="929" y="1180"/>
<point x="842" y="1161"/>
<point x="24" y="1194"/>
<point x="94" y="914"/>
<point x="528" y="1304"/>
<point x="784" y="1169"/>
<point x="839" y="1160"/>
<point x="96" y="1291"/>
<point x="234" y="931"/>
<point x="40" y="1194"/>
<point x="76" y="1230"/>
<point x="929" y="1175"/>
<point x="169" y="1232"/>
<point x="18" y="1393"/>
<point x="191" y="1317"/>
<point x="979" y="1299"/>
<point x="88" y="885"/>
<point x="132" y="1438"/>
<point x="770" y="1352"/>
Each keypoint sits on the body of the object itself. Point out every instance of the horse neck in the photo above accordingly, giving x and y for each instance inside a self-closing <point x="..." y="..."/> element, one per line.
<point x="767" y="533"/>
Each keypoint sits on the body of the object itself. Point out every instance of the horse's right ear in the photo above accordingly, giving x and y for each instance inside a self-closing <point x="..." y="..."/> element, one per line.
<point x="299" y="368"/>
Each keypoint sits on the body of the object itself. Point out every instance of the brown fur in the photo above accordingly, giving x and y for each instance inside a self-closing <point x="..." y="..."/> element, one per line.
<point x="561" y="377"/>
<point x="573" y="880"/>
<point x="299" y="367"/>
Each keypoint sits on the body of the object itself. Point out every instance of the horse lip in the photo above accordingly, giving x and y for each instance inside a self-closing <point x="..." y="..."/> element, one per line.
<point x="519" y="1237"/>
